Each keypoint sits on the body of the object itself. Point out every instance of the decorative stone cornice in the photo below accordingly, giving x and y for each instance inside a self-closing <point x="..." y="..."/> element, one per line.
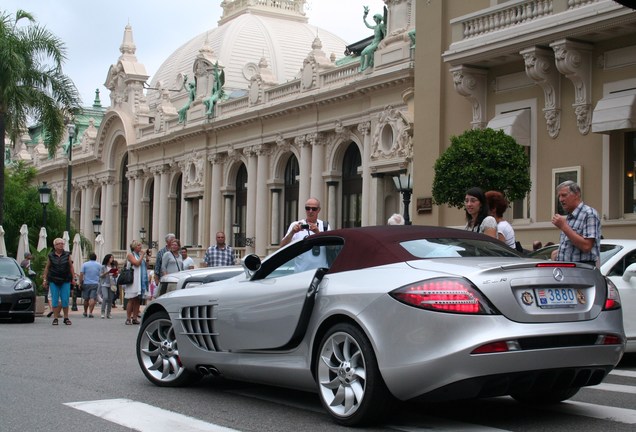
<point x="541" y="69"/>
<point x="471" y="83"/>
<point x="574" y="60"/>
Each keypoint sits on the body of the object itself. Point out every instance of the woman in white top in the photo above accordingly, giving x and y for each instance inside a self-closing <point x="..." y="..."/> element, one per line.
<point x="498" y="204"/>
<point x="477" y="218"/>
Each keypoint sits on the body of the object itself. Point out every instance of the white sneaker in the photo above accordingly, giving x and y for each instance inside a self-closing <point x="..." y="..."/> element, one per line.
<point x="102" y="316"/>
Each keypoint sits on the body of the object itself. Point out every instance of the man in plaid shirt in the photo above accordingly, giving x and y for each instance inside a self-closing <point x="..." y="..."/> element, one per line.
<point x="580" y="230"/>
<point x="220" y="254"/>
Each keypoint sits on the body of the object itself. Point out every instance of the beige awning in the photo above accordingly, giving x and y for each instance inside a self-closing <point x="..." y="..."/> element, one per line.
<point x="613" y="113"/>
<point x="514" y="123"/>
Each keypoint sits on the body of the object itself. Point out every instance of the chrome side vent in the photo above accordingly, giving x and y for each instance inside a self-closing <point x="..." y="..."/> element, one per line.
<point x="198" y="324"/>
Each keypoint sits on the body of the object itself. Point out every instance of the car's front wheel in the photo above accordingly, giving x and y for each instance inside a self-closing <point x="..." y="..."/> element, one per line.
<point x="349" y="381"/>
<point x="158" y="352"/>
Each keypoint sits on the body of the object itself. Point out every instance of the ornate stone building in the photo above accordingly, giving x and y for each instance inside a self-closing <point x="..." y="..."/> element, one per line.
<point x="294" y="121"/>
<point x="558" y="75"/>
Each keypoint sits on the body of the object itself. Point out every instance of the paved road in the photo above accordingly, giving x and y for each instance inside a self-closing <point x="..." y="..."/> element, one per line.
<point x="85" y="377"/>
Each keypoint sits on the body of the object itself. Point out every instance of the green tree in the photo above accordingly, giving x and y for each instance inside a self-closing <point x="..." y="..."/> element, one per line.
<point x="32" y="84"/>
<point x="484" y="158"/>
<point x="22" y="206"/>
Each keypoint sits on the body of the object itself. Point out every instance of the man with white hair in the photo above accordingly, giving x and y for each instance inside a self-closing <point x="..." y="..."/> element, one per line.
<point x="396" y="219"/>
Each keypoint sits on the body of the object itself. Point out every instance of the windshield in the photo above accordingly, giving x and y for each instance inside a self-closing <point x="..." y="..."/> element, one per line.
<point x="456" y="248"/>
<point x="8" y="267"/>
<point x="608" y="251"/>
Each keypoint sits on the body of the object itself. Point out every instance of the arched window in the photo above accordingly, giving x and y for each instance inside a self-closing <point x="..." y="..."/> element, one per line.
<point x="291" y="191"/>
<point x="351" y="188"/>
<point x="123" y="204"/>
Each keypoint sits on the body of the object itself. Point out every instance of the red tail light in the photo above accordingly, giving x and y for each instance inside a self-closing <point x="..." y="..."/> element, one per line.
<point x="455" y="295"/>
<point x="613" y="299"/>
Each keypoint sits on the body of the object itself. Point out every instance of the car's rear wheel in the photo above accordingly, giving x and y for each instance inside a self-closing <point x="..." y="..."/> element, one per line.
<point x="158" y="352"/>
<point x="546" y="397"/>
<point x="349" y="381"/>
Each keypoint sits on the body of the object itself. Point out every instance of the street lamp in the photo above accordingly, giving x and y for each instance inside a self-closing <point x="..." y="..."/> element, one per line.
<point x="236" y="230"/>
<point x="69" y="172"/>
<point x="97" y="225"/>
<point x="45" y="197"/>
<point x="404" y="184"/>
<point x="142" y="234"/>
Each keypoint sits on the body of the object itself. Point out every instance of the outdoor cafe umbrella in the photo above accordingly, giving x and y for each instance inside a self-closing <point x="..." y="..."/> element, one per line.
<point x="42" y="240"/>
<point x="99" y="247"/>
<point x="77" y="255"/>
<point x="3" y="246"/>
<point x="66" y="239"/>
<point x="23" y="243"/>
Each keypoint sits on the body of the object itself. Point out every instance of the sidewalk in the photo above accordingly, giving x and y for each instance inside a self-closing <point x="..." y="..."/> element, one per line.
<point x="117" y="313"/>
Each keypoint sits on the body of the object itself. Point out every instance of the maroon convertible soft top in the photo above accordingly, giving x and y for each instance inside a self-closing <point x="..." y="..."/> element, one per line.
<point x="379" y="245"/>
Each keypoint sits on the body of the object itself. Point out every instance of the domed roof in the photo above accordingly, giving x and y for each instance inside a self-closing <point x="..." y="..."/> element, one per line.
<point x="244" y="36"/>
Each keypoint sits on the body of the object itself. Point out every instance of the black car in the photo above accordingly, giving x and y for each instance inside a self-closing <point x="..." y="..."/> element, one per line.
<point x="17" y="292"/>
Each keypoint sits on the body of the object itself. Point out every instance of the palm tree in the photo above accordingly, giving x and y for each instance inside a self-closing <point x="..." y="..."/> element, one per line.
<point x="32" y="84"/>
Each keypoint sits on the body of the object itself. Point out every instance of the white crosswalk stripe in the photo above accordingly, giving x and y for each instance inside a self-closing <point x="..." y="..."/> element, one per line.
<point x="145" y="418"/>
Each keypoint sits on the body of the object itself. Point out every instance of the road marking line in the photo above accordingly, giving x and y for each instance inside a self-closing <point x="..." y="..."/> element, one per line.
<point x="602" y="412"/>
<point x="614" y="388"/>
<point x="441" y="424"/>
<point x="631" y="374"/>
<point x="143" y="417"/>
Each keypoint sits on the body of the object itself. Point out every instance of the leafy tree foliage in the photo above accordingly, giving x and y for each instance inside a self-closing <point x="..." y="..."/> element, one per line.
<point x="484" y="158"/>
<point x="32" y="84"/>
<point x="22" y="206"/>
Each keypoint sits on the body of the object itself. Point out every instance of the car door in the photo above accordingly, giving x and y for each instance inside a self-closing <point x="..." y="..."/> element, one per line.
<point x="626" y="284"/>
<point x="269" y="310"/>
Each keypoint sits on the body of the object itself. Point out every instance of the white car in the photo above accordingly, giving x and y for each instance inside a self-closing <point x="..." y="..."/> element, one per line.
<point x="195" y="277"/>
<point x="618" y="263"/>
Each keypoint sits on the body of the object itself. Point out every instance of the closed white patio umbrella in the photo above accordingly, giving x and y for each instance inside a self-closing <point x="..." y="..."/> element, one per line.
<point x="42" y="239"/>
<point x="3" y="246"/>
<point x="23" y="243"/>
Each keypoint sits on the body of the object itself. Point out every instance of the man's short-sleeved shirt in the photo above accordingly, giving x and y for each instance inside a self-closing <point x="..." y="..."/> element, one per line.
<point x="216" y="257"/>
<point x="583" y="220"/>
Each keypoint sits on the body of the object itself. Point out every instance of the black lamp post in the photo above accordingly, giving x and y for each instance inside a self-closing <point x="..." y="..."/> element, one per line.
<point x="97" y="225"/>
<point x="45" y="197"/>
<point x="69" y="173"/>
<point x="404" y="184"/>
<point x="236" y="230"/>
<point x="142" y="234"/>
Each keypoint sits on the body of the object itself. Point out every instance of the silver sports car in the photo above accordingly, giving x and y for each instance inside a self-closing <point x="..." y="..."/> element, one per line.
<point x="369" y="316"/>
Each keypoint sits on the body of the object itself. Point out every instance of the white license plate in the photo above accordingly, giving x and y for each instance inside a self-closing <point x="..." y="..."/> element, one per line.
<point x="555" y="297"/>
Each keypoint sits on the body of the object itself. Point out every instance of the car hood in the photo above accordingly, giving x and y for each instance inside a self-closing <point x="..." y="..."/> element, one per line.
<point x="512" y="285"/>
<point x="7" y="283"/>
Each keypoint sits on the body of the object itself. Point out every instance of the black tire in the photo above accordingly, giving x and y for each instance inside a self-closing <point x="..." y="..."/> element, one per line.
<point x="158" y="353"/>
<point x="552" y="396"/>
<point x="349" y="382"/>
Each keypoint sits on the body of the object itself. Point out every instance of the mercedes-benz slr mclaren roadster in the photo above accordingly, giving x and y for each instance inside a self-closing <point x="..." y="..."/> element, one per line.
<point x="367" y="317"/>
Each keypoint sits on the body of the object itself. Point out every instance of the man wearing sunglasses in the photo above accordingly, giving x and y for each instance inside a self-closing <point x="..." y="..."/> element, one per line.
<point x="310" y="225"/>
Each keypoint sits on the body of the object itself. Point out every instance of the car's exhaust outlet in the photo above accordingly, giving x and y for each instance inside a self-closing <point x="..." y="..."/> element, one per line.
<point x="208" y="370"/>
<point x="203" y="370"/>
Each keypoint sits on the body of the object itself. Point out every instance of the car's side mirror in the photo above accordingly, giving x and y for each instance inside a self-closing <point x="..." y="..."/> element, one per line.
<point x="629" y="272"/>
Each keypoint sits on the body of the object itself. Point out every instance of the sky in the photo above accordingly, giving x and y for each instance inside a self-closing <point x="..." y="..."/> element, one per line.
<point x="92" y="30"/>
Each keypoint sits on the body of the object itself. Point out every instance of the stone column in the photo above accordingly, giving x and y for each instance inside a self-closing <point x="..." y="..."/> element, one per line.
<point x="136" y="202"/>
<point x="304" y="186"/>
<point x="110" y="214"/>
<point x="86" y="228"/>
<point x="186" y="222"/>
<point x="164" y="207"/>
<point x="316" y="140"/>
<point x="332" y="206"/>
<point x="275" y="227"/>
<point x="367" y="210"/>
<point x="131" y="175"/>
<point x="227" y="223"/>
<point x="252" y="172"/>
<point x="262" y="199"/>
<point x="157" y="194"/>
<point x="216" y="201"/>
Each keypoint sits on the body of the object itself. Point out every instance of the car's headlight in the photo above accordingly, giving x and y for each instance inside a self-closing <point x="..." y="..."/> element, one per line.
<point x="23" y="285"/>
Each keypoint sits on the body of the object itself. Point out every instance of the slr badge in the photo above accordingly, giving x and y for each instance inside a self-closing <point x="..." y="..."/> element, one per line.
<point x="527" y="298"/>
<point x="558" y="274"/>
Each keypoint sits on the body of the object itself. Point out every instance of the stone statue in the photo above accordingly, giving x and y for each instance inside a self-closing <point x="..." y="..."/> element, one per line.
<point x="412" y="37"/>
<point x="192" y="91"/>
<point x="379" y="31"/>
<point x="217" y="90"/>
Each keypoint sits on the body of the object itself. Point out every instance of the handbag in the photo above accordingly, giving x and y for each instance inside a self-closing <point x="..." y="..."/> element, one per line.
<point x="126" y="276"/>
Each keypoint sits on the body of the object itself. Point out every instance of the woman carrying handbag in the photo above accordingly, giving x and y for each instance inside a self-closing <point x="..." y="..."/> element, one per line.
<point x="134" y="290"/>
